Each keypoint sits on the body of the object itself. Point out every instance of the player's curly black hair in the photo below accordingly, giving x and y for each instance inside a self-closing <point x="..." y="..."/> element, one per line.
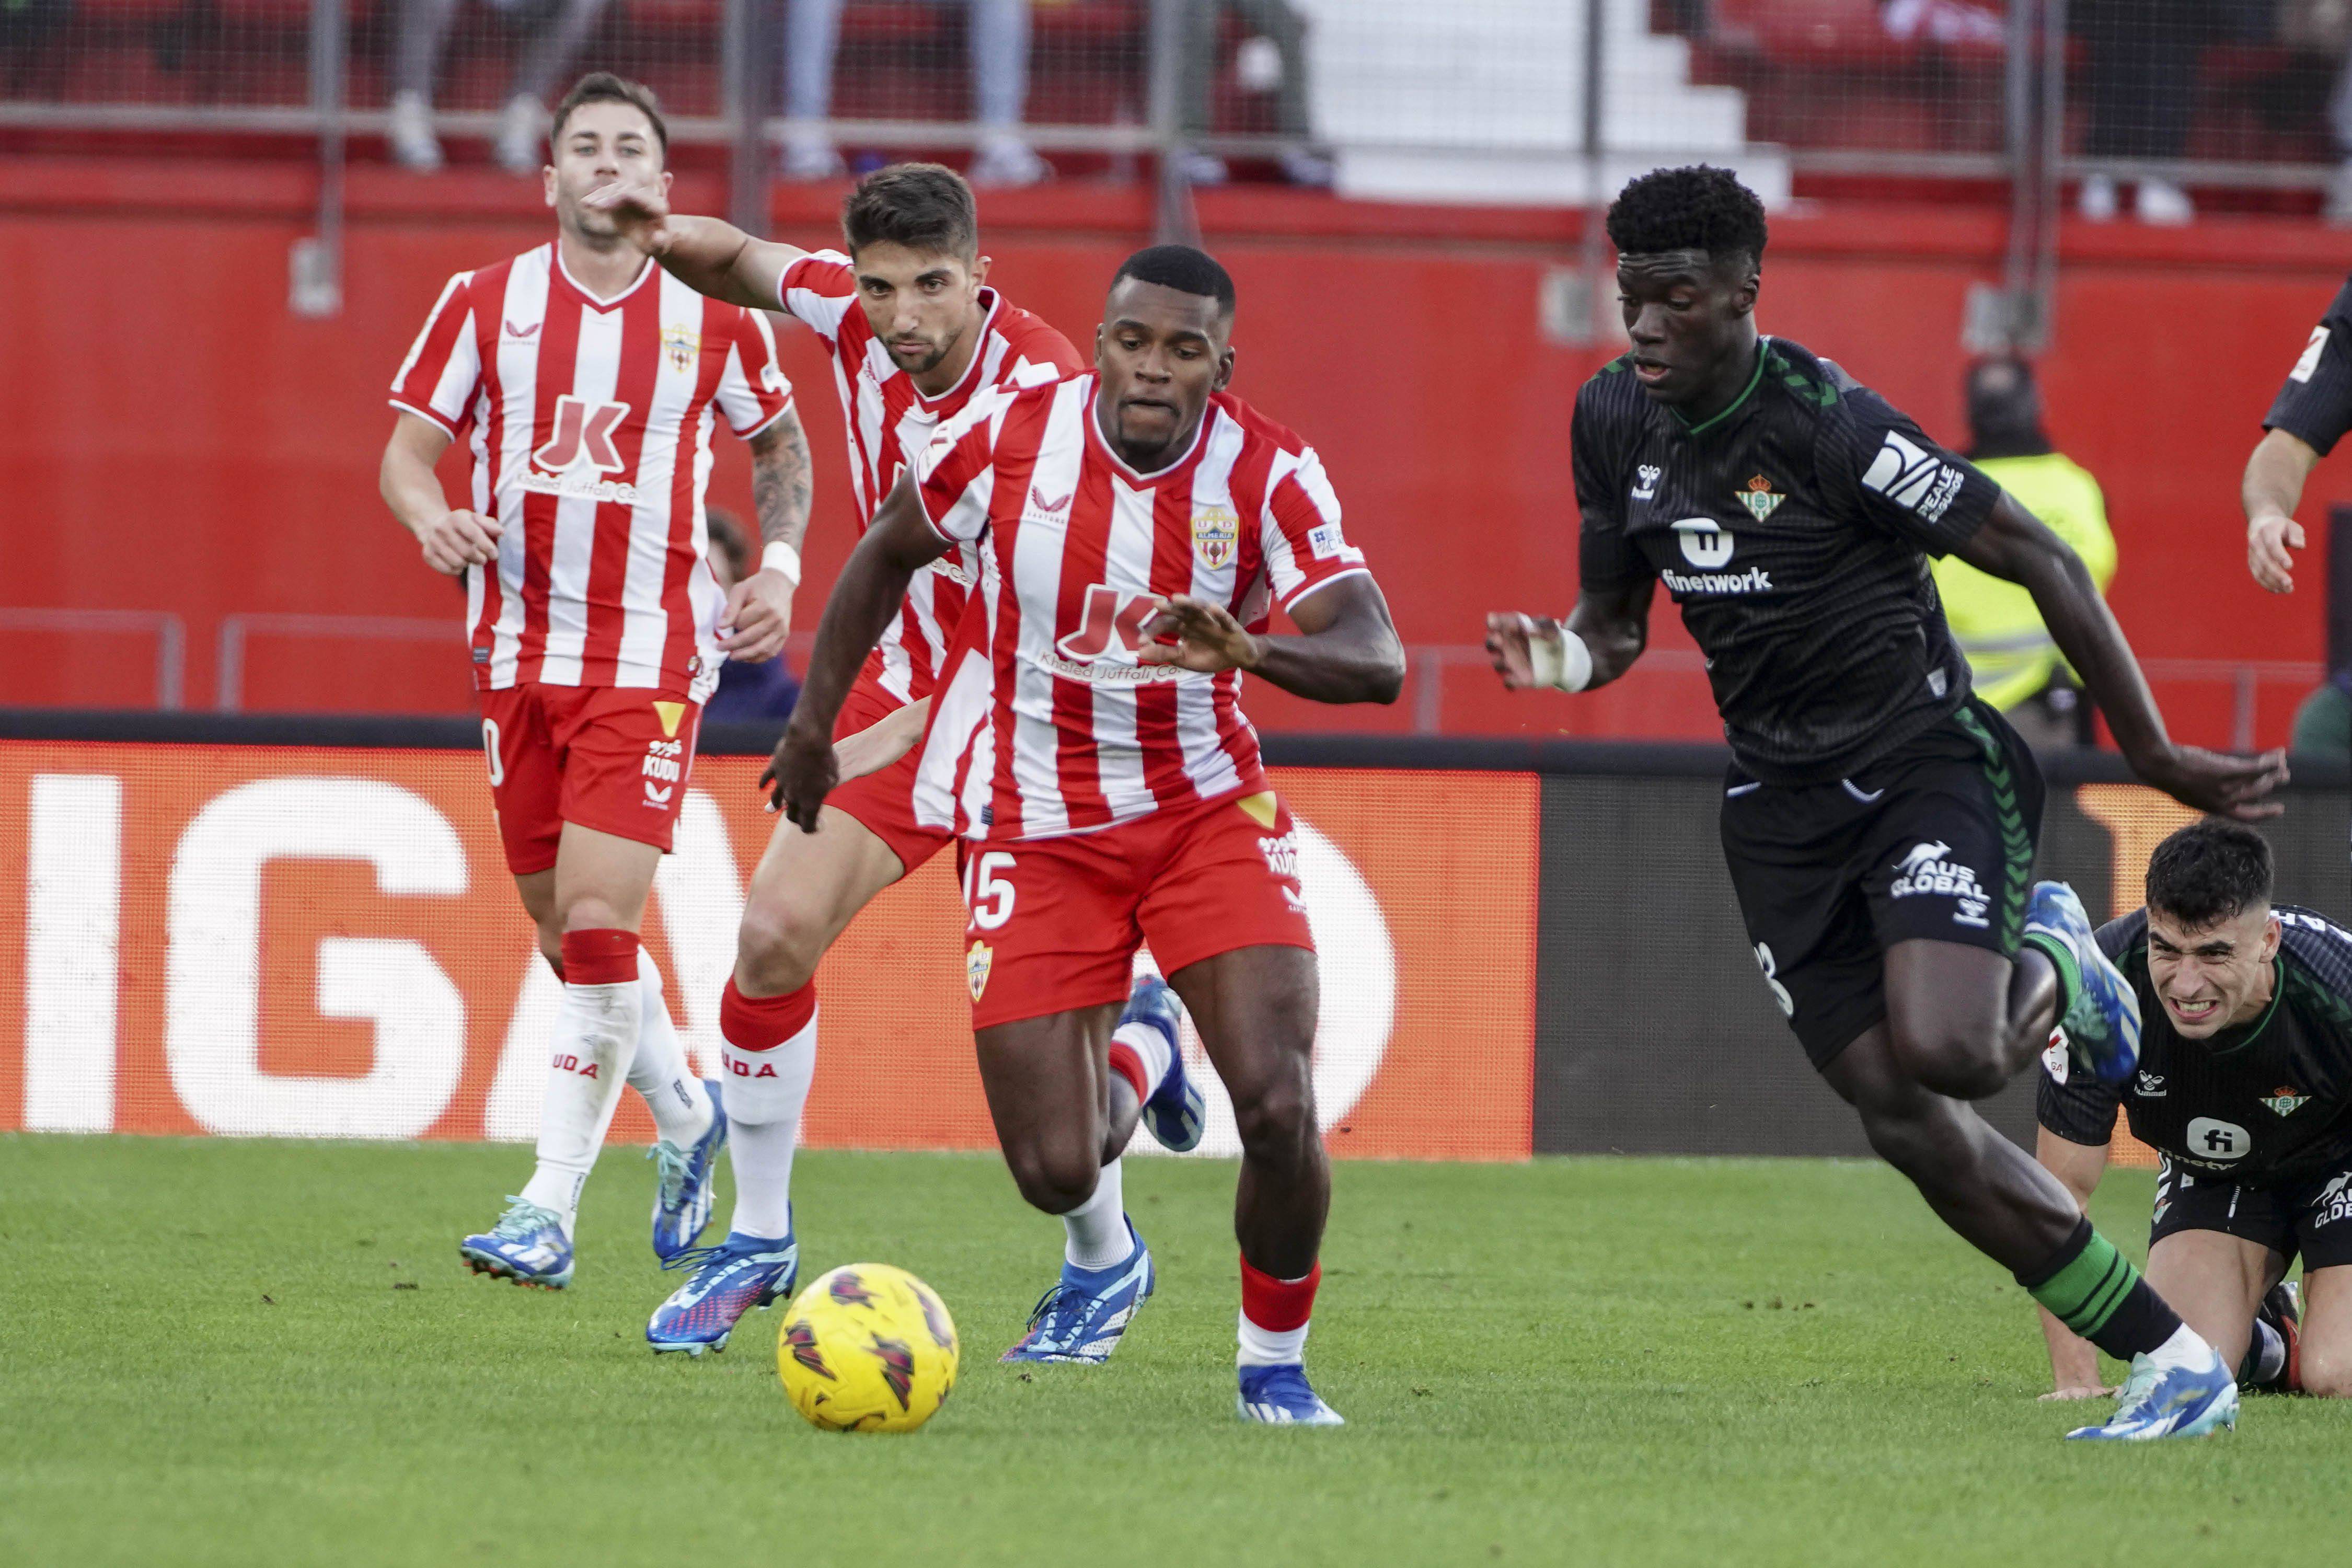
<point x="1696" y="209"/>
<point x="2209" y="871"/>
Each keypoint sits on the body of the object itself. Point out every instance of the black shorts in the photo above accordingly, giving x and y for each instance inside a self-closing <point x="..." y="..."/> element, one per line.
<point x="1934" y="840"/>
<point x="2311" y="1214"/>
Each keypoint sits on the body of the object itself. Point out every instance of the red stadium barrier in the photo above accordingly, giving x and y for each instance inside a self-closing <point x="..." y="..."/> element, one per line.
<point x="263" y="940"/>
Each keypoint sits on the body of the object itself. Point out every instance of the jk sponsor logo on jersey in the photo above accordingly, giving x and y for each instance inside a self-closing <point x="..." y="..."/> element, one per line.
<point x="583" y="448"/>
<point x="1708" y="544"/>
<point x="1909" y="475"/>
<point x="1925" y="870"/>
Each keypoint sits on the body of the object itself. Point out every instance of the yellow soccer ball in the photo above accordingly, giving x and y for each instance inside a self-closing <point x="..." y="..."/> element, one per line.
<point x="867" y="1348"/>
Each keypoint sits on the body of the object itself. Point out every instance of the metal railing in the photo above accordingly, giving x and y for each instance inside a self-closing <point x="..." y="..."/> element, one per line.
<point x="237" y="631"/>
<point x="170" y="631"/>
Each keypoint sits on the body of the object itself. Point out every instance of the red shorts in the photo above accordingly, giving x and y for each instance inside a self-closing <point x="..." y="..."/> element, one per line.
<point x="611" y="758"/>
<point x="1054" y="922"/>
<point x="884" y="803"/>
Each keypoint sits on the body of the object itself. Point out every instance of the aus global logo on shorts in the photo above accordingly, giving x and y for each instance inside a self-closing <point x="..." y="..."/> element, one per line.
<point x="2333" y="1202"/>
<point x="1928" y="869"/>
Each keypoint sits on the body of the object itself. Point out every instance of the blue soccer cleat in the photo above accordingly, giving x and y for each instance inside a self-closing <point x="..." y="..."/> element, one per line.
<point x="1281" y="1396"/>
<point x="2102" y="1022"/>
<point x="1175" y="1114"/>
<point x="739" y="1274"/>
<point x="1083" y="1316"/>
<point x="527" y="1246"/>
<point x="2170" y="1401"/>
<point x="683" y="1183"/>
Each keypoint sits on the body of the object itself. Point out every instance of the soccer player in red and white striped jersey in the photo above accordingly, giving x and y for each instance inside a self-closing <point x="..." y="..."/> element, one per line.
<point x="585" y="381"/>
<point x="914" y="334"/>
<point x="1135" y="526"/>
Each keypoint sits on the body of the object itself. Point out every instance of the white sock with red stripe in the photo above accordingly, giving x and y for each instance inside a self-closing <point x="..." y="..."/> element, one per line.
<point x="660" y="1072"/>
<point x="1139" y="1053"/>
<point x="1273" y="1317"/>
<point x="596" y="1041"/>
<point x="770" y="1056"/>
<point x="1097" y="1229"/>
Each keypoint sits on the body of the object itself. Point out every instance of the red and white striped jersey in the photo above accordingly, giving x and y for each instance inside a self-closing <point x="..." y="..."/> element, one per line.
<point x="589" y="424"/>
<point x="886" y="418"/>
<point x="1047" y="724"/>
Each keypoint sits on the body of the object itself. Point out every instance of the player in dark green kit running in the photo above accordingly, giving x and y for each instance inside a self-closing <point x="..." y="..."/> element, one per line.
<point x="1878" y="822"/>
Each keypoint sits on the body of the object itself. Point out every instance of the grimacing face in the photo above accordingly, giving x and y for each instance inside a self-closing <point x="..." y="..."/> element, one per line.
<point x="2215" y="977"/>
<point x="1687" y="313"/>
<point x="603" y="141"/>
<point x="919" y="303"/>
<point x="1161" y="352"/>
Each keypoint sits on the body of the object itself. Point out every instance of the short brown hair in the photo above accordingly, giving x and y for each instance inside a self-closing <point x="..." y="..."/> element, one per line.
<point x="604" y="87"/>
<point x="927" y="207"/>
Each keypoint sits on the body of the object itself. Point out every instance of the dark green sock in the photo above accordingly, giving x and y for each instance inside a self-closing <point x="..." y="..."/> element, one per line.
<point x="2061" y="959"/>
<point x="2094" y="1290"/>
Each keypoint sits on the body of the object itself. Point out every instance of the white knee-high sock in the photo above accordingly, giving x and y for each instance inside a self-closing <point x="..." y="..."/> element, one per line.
<point x="1097" y="1229"/>
<point x="595" y="1040"/>
<point x="661" y="1073"/>
<point x="765" y="1088"/>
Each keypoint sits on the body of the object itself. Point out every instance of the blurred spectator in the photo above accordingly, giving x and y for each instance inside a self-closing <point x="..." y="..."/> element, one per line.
<point x="2323" y="720"/>
<point x="2015" y="666"/>
<point x="746" y="691"/>
<point x="2140" y="77"/>
<point x="999" y="36"/>
<point x="1276" y="30"/>
<point x="558" y="29"/>
<point x="1948" y="22"/>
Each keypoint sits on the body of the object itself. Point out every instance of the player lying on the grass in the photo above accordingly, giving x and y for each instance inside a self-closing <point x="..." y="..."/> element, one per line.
<point x="588" y="381"/>
<point x="2244" y="1089"/>
<point x="914" y="334"/>
<point x="1135" y="527"/>
<point x="1878" y="822"/>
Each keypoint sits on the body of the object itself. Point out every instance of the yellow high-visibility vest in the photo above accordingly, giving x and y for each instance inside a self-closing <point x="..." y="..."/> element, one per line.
<point x="2009" y="650"/>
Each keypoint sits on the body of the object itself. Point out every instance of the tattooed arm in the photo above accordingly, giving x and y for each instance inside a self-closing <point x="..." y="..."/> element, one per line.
<point x="759" y="614"/>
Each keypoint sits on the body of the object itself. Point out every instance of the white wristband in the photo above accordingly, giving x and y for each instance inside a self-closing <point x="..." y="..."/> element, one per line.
<point x="1566" y="664"/>
<point x="781" y="557"/>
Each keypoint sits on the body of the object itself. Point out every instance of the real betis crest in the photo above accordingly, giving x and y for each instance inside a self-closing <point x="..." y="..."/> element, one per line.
<point x="1761" y="498"/>
<point x="2285" y="1100"/>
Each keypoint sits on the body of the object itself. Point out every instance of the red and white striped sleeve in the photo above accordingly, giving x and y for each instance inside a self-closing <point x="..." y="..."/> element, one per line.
<point x="1299" y="528"/>
<point x="444" y="368"/>
<point x="956" y="470"/>
<point x="819" y="289"/>
<point x="752" y="391"/>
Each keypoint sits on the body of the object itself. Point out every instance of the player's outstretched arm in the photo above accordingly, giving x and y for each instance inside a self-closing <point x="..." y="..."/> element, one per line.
<point x="2272" y="488"/>
<point x="2014" y="545"/>
<point x="1609" y="627"/>
<point x="450" y="540"/>
<point x="758" y="617"/>
<point x="871" y="587"/>
<point x="706" y="254"/>
<point x="1348" y="650"/>
<point x="2073" y="1362"/>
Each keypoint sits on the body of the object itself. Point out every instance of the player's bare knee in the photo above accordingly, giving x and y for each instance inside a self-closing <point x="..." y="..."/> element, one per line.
<point x="2326" y="1373"/>
<point x="1950" y="1061"/>
<point x="1055" y="1180"/>
<point x="777" y="947"/>
<point x="1276" y="1120"/>
<point x="590" y="912"/>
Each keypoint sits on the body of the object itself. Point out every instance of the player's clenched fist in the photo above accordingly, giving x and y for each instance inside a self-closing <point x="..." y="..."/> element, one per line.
<point x="1195" y="635"/>
<point x="758" y="617"/>
<point x="457" y="539"/>
<point x="1510" y="636"/>
<point x="639" y="210"/>
<point x="2268" y="539"/>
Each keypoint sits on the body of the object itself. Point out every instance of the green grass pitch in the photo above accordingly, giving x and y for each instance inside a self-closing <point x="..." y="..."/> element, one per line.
<point x="261" y="1353"/>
